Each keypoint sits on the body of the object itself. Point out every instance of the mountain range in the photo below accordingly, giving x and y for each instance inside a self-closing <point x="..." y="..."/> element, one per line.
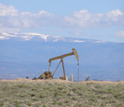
<point x="27" y="54"/>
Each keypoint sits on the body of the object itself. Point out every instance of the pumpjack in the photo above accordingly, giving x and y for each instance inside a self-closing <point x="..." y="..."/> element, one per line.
<point x="49" y="75"/>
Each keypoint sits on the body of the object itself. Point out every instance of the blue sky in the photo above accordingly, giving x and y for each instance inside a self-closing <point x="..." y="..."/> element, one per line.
<point x="91" y="19"/>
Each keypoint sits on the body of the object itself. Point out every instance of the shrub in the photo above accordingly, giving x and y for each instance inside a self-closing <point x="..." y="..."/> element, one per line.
<point x="17" y="104"/>
<point x="1" y="104"/>
<point x="41" y="95"/>
<point x="118" y="104"/>
<point x="74" y="98"/>
<point x="33" y="94"/>
<point x="55" y="94"/>
<point x="78" y="92"/>
<point x="44" y="105"/>
<point x="118" y="95"/>
<point x="29" y="104"/>
<point x="69" y="94"/>
<point x="64" y="91"/>
<point x="112" y="101"/>
<point x="22" y="86"/>
<point x="23" y="95"/>
<point x="93" y="99"/>
<point x="35" y="99"/>
<point x="54" y="102"/>
<point x="66" y="101"/>
<point x="102" y="104"/>
<point x="60" y="88"/>
<point x="98" y="86"/>
<point x="59" y="103"/>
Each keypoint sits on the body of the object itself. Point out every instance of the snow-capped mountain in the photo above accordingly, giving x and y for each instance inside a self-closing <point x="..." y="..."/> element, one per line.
<point x="43" y="37"/>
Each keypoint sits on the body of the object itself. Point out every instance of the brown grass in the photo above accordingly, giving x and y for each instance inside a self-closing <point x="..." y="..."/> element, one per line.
<point x="61" y="81"/>
<point x="60" y="93"/>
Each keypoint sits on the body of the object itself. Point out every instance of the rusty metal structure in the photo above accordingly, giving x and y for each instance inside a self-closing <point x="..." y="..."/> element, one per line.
<point x="49" y="75"/>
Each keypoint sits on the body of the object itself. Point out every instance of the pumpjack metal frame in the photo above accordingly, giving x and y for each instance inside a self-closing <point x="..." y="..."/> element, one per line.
<point x="61" y="60"/>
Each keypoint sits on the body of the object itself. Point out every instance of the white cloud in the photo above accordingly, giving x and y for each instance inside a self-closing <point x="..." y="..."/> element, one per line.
<point x="85" y="19"/>
<point x="9" y="30"/>
<point x="114" y="13"/>
<point x="120" y="34"/>
<point x="7" y="10"/>
<point x="11" y="20"/>
<point x="40" y="19"/>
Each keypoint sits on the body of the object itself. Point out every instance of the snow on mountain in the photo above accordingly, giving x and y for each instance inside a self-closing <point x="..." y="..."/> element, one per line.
<point x="42" y="37"/>
<point x="79" y="41"/>
<point x="99" y="41"/>
<point x="22" y="36"/>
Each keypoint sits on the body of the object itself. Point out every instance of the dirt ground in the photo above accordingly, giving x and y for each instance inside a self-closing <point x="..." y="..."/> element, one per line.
<point x="37" y="80"/>
<point x="103" y="82"/>
<point x="61" y="81"/>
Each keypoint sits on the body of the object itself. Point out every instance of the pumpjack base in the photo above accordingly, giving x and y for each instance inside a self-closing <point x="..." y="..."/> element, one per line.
<point x="62" y="77"/>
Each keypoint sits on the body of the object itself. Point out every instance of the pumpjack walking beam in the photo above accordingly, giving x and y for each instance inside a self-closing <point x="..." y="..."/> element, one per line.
<point x="61" y="57"/>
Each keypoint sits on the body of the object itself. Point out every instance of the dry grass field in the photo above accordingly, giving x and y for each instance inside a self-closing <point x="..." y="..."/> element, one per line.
<point x="60" y="93"/>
